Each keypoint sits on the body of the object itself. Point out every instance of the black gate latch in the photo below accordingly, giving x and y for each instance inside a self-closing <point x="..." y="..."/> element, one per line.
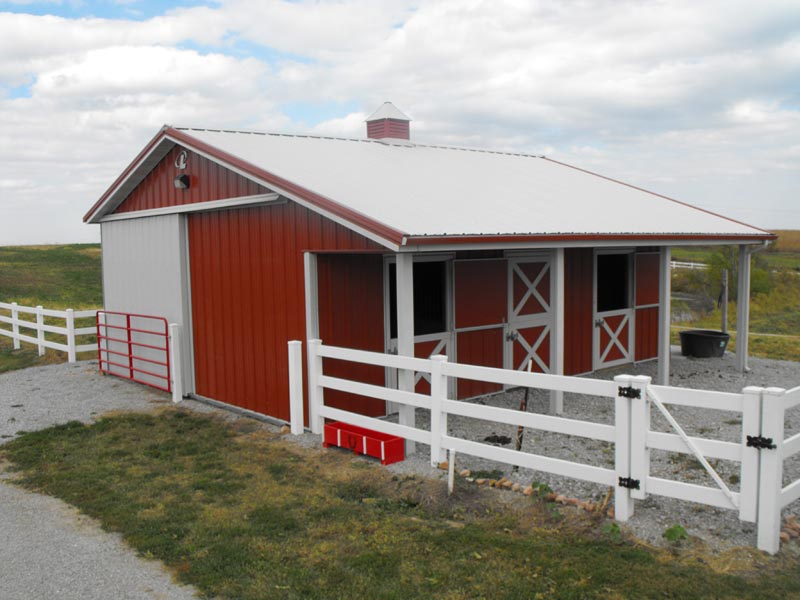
<point x="630" y="392"/>
<point x="760" y="443"/>
<point x="628" y="482"/>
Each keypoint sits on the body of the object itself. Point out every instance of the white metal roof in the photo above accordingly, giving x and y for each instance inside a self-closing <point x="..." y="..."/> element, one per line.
<point x="387" y="110"/>
<point x="439" y="191"/>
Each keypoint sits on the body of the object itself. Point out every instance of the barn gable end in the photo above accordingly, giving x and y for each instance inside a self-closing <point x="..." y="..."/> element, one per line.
<point x="208" y="181"/>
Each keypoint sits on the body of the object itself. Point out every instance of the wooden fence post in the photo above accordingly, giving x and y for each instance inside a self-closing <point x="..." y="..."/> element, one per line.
<point x="640" y="425"/>
<point x="771" y="478"/>
<point x="438" y="394"/>
<point x="71" y="355"/>
<point x="751" y="425"/>
<point x="623" y="503"/>
<point x="39" y="329"/>
<point x="15" y="325"/>
<point x="175" y="362"/>
<point x="296" y="386"/>
<point x="316" y="397"/>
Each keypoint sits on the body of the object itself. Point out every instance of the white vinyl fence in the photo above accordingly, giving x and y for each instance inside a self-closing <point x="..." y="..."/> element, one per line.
<point x="20" y="328"/>
<point x="760" y="451"/>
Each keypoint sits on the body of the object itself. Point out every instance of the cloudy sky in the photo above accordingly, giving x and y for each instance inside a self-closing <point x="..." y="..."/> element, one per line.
<point x="699" y="100"/>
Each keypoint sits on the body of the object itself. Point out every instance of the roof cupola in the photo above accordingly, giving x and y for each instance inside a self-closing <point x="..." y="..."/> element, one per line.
<point x="388" y="122"/>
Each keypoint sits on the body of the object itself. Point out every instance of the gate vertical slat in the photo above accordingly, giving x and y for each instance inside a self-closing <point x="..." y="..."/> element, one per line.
<point x="623" y="503"/>
<point x="640" y="426"/>
<point x="748" y="478"/>
<point x="771" y="477"/>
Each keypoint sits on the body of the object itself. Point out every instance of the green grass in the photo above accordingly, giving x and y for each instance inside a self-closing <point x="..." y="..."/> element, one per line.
<point x="235" y="511"/>
<point x="54" y="276"/>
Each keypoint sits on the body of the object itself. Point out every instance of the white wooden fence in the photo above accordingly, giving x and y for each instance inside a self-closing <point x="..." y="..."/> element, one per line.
<point x="761" y="450"/>
<point x="39" y="328"/>
<point x="693" y="266"/>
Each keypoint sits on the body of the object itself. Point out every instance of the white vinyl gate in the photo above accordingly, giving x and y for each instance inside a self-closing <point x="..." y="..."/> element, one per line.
<point x="760" y="451"/>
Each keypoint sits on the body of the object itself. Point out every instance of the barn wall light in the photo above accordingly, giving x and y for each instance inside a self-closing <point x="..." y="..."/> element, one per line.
<point x="182" y="182"/>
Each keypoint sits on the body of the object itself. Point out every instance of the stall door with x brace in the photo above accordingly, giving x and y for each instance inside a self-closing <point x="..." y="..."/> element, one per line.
<point x="530" y="315"/>
<point x="613" y="309"/>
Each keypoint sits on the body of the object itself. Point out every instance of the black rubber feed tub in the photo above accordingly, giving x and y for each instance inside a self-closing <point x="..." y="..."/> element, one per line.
<point x="703" y="343"/>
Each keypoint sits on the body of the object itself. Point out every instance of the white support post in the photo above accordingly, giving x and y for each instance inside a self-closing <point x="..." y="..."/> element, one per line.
<point x="623" y="503"/>
<point x="751" y="425"/>
<point x="311" y="295"/>
<point x="39" y="329"/>
<point x="771" y="463"/>
<point x="15" y="325"/>
<point x="438" y="422"/>
<point x="640" y="425"/>
<point x="557" y="349"/>
<point x="296" y="386"/>
<point x="316" y="393"/>
<point x="71" y="357"/>
<point x="743" y="309"/>
<point x="405" y="335"/>
<point x="664" y="314"/>
<point x="175" y="362"/>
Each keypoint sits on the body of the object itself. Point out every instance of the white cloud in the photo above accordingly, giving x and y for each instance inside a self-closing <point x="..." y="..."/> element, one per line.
<point x="696" y="98"/>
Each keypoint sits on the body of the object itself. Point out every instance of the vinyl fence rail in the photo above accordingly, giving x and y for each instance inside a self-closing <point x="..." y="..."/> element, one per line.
<point x="760" y="452"/>
<point x="10" y="315"/>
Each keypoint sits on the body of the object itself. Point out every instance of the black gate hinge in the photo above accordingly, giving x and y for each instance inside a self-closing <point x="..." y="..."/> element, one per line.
<point x="630" y="392"/>
<point x="760" y="443"/>
<point x="628" y="482"/>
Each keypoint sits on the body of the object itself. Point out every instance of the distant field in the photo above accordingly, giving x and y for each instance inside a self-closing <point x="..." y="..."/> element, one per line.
<point x="53" y="276"/>
<point x="56" y="277"/>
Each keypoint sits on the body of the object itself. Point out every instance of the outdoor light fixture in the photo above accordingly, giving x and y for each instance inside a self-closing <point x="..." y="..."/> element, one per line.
<point x="182" y="182"/>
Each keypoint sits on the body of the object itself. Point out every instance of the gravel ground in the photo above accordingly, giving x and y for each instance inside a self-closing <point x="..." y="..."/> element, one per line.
<point x="39" y="397"/>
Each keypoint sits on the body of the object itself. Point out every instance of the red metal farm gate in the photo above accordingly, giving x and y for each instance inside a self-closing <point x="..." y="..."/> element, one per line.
<point x="134" y="347"/>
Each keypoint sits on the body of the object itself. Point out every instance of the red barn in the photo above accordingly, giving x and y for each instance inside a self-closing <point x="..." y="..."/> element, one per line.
<point x="249" y="240"/>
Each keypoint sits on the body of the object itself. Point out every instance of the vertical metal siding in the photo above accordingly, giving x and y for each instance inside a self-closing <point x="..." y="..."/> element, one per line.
<point x="248" y="298"/>
<point x="647" y="278"/>
<point x="209" y="181"/>
<point x="578" y="326"/>
<point x="351" y="314"/>
<point x="144" y="270"/>
<point x="481" y="298"/>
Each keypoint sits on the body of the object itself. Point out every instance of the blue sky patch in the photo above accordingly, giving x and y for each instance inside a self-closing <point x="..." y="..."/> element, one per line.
<point x="313" y="113"/>
<point x="132" y="10"/>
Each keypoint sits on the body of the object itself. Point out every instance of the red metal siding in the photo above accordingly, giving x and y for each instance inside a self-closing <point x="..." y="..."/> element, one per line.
<point x="647" y="267"/>
<point x="481" y="298"/>
<point x="646" y="333"/>
<point x="351" y="315"/>
<point x="647" y="280"/>
<point x="484" y="348"/>
<point x="480" y="292"/>
<point x="247" y="284"/>
<point x="209" y="181"/>
<point x="578" y="292"/>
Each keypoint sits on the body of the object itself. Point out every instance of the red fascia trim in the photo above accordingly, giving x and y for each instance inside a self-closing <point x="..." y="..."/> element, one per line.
<point x="336" y="208"/>
<point x="341" y="252"/>
<point x="563" y="164"/>
<point x="432" y="240"/>
<point x="128" y="170"/>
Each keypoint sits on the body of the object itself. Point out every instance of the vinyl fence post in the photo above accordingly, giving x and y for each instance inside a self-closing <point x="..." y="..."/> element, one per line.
<point x="39" y="329"/>
<point x="438" y="395"/>
<point x="296" y="386"/>
<point x="751" y="425"/>
<point x="316" y="393"/>
<point x="640" y="425"/>
<point x="15" y="325"/>
<point x="623" y="503"/>
<point x="771" y="479"/>
<point x="175" y="362"/>
<point x="71" y="335"/>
